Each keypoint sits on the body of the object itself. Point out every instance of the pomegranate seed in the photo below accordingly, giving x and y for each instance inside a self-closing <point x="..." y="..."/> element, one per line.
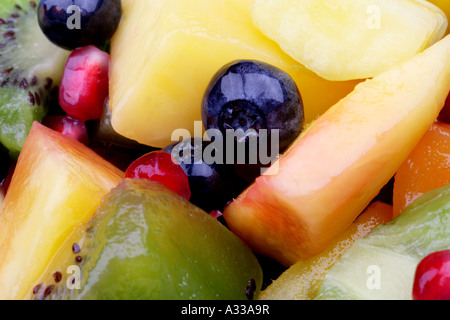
<point x="160" y="166"/>
<point x="84" y="86"/>
<point x="432" y="278"/>
<point x="68" y="126"/>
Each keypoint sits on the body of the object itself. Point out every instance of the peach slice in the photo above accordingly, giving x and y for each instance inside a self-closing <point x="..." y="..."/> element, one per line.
<point x="57" y="185"/>
<point x="341" y="162"/>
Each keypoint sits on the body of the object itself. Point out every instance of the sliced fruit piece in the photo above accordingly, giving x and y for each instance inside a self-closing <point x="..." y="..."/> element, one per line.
<point x="146" y="242"/>
<point x="158" y="79"/>
<point x="382" y="265"/>
<point x="444" y="5"/>
<point x="57" y="185"/>
<point x="425" y="169"/>
<point x="2" y="199"/>
<point x="347" y="39"/>
<point x="303" y="279"/>
<point x="321" y="184"/>
<point x="30" y="67"/>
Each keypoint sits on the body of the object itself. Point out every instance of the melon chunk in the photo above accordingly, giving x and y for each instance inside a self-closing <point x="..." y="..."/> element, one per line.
<point x="348" y="39"/>
<point x="165" y="53"/>
<point x="341" y="162"/>
<point x="57" y="185"/>
<point x="302" y="281"/>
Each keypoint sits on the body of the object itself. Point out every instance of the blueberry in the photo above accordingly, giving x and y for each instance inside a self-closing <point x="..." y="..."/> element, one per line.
<point x="77" y="23"/>
<point x="254" y="95"/>
<point x="213" y="183"/>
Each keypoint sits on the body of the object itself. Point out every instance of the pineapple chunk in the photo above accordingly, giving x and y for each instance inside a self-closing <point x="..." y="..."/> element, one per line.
<point x="348" y="39"/>
<point x="444" y="5"/>
<point x="57" y="185"/>
<point x="165" y="52"/>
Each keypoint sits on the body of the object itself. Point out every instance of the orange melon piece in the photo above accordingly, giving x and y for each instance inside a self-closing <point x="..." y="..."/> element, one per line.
<point x="57" y="185"/>
<point x="340" y="163"/>
<point x="427" y="167"/>
<point x="303" y="279"/>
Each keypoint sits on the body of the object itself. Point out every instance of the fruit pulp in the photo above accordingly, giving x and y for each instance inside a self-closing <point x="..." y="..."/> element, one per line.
<point x="146" y="242"/>
<point x="57" y="184"/>
<point x="303" y="279"/>
<point x="157" y="81"/>
<point x="382" y="265"/>
<point x="320" y="185"/>
<point x="347" y="39"/>
<point x="426" y="168"/>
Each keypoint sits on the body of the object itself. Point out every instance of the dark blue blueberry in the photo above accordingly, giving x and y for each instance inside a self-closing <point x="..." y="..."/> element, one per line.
<point x="213" y="183"/>
<point x="98" y="20"/>
<point x="245" y="95"/>
<point x="254" y="95"/>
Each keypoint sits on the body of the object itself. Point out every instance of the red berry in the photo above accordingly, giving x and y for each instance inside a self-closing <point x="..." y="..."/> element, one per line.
<point x="160" y="166"/>
<point x="432" y="279"/>
<point x="68" y="126"/>
<point x="84" y="86"/>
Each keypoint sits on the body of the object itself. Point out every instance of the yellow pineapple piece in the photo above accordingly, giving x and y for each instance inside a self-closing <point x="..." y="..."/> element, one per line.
<point x="348" y="39"/>
<point x="165" y="52"/>
<point x="444" y="5"/>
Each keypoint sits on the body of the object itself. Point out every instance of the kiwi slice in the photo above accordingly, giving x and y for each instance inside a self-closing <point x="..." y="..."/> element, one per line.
<point x="147" y="243"/>
<point x="31" y="68"/>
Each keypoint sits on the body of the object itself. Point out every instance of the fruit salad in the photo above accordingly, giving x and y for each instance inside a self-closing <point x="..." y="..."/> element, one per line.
<point x="224" y="150"/>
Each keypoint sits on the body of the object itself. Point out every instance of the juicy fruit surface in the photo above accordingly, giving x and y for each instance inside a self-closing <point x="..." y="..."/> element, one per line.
<point x="68" y="126"/>
<point x="444" y="5"/>
<point x="347" y="39"/>
<point x="212" y="185"/>
<point x="174" y="249"/>
<point x="160" y="166"/>
<point x="425" y="169"/>
<point x="382" y="264"/>
<point x="50" y="194"/>
<point x="432" y="277"/>
<point x="84" y="86"/>
<point x="254" y="95"/>
<point x="302" y="281"/>
<point x="29" y="68"/>
<point x="224" y="32"/>
<point x="373" y="129"/>
<point x="97" y="21"/>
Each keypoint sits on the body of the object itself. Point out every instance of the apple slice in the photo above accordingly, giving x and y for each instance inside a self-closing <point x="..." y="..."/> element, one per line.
<point x="348" y="39"/>
<point x="57" y="185"/>
<point x="341" y="162"/>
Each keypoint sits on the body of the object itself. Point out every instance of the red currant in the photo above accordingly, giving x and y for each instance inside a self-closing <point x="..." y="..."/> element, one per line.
<point x="432" y="278"/>
<point x="84" y="86"/>
<point x="160" y="166"/>
<point x="68" y="126"/>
